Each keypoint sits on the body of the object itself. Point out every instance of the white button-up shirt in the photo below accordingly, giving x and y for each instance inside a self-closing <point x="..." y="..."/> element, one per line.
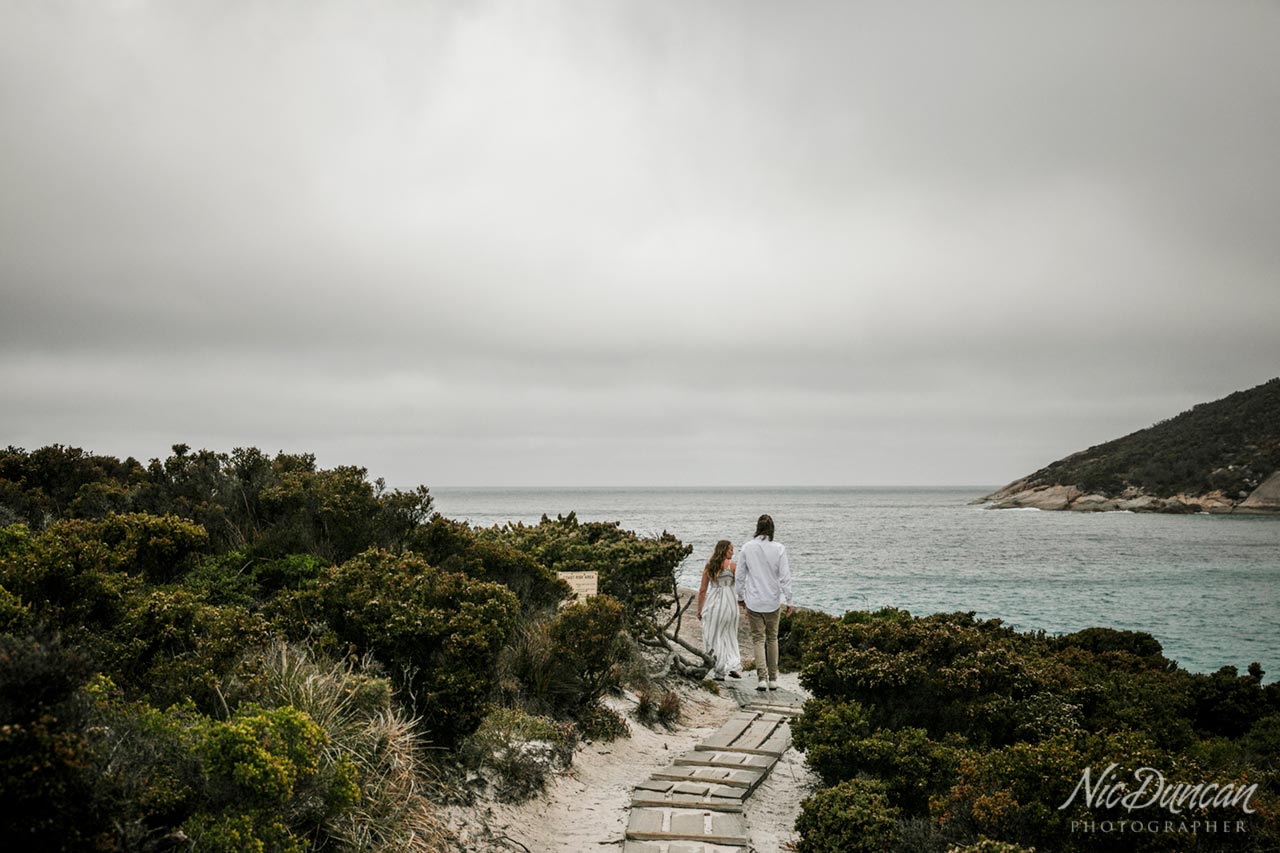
<point x="764" y="576"/>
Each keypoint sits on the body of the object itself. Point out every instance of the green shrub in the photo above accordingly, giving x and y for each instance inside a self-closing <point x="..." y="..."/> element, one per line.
<point x="826" y="733"/>
<point x="911" y="767"/>
<point x="268" y="784"/>
<point x="48" y="792"/>
<point x="439" y="633"/>
<point x="602" y="723"/>
<point x="1014" y="793"/>
<point x="171" y="645"/>
<point x="588" y="639"/>
<point x="852" y="817"/>
<point x="251" y="582"/>
<point x="454" y="546"/>
<point x="15" y="616"/>
<point x="517" y="751"/>
<point x="794" y="632"/>
<point x="639" y="572"/>
<point x="147" y="764"/>
<point x="361" y="724"/>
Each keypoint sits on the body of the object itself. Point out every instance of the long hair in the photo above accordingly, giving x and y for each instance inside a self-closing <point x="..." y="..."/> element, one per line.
<point x="716" y="564"/>
<point x="764" y="527"/>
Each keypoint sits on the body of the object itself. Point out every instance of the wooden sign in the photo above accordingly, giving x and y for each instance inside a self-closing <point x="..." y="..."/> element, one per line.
<point x="584" y="584"/>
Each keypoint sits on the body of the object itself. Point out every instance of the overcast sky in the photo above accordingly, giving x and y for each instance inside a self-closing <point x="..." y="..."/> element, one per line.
<point x="634" y="243"/>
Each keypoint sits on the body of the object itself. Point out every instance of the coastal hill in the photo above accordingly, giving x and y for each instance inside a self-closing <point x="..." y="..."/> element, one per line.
<point x="1220" y="457"/>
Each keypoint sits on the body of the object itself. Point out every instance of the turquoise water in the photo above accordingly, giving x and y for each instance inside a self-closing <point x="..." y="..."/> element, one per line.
<point x="1204" y="585"/>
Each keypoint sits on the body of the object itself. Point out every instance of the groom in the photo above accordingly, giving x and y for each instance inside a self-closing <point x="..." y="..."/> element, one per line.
<point x="764" y="582"/>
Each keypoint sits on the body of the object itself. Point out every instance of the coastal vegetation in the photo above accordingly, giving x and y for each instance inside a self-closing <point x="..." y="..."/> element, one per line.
<point x="244" y="652"/>
<point x="1215" y="455"/>
<point x="947" y="732"/>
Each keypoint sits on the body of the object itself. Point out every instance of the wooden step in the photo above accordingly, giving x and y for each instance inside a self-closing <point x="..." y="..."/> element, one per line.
<point x="731" y="760"/>
<point x="668" y="793"/>
<point x="730" y="776"/>
<point x="687" y="825"/>
<point x="676" y="847"/>
<point x="752" y="732"/>
<point x="771" y="708"/>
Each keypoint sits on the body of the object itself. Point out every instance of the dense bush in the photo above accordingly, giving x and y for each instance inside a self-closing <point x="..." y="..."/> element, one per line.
<point x="48" y="796"/>
<point x="246" y="500"/>
<point x="851" y="817"/>
<point x="639" y="572"/>
<point x="248" y="652"/>
<point x="588" y="640"/>
<point x="975" y="731"/>
<point x="794" y="631"/>
<point x="455" y="547"/>
<point x="438" y="632"/>
<point x="269" y="783"/>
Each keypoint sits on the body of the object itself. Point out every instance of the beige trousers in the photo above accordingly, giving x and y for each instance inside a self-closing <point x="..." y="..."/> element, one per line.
<point x="764" y="636"/>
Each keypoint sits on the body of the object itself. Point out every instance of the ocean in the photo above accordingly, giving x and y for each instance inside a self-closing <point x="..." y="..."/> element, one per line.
<point x="1204" y="585"/>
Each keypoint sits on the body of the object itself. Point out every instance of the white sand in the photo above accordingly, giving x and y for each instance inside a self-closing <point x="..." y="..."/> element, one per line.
<point x="586" y="807"/>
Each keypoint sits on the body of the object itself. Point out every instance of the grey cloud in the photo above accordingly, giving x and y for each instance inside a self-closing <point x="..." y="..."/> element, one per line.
<point x="568" y="242"/>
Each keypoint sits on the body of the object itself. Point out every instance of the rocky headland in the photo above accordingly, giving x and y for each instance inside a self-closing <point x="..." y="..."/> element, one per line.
<point x="1218" y="457"/>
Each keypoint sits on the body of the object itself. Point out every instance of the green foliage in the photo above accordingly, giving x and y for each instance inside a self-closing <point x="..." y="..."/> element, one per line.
<point x="47" y="793"/>
<point x="82" y="574"/>
<point x="263" y="759"/>
<point x="146" y="763"/>
<point x="794" y="631"/>
<point x="439" y="632"/>
<point x="15" y="616"/>
<point x="639" y="572"/>
<point x="588" y="639"/>
<point x="454" y="546"/>
<point x="252" y="582"/>
<point x="602" y="723"/>
<point x="826" y="732"/>
<point x="41" y="486"/>
<point x="171" y="645"/>
<point x="246" y="500"/>
<point x="976" y="731"/>
<point x="361" y="726"/>
<point x="517" y="751"/>
<point x="852" y="817"/>
<point x="945" y="673"/>
<point x="1230" y="445"/>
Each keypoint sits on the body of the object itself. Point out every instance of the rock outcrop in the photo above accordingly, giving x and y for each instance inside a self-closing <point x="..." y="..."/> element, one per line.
<point x="1218" y="457"/>
<point x="1020" y="495"/>
<point x="1265" y="498"/>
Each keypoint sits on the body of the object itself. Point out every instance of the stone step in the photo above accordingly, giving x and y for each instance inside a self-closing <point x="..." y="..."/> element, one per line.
<point x="699" y="826"/>
<point x="731" y="776"/>
<point x="686" y="794"/>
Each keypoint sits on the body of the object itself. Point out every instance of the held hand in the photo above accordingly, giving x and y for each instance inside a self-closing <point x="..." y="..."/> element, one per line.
<point x="788" y="610"/>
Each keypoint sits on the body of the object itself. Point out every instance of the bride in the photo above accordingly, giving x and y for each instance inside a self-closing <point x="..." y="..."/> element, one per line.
<point x="718" y="610"/>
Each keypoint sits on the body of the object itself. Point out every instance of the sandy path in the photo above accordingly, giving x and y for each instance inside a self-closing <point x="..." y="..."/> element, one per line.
<point x="586" y="808"/>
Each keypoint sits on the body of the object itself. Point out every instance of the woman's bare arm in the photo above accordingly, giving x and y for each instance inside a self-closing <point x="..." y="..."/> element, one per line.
<point x="702" y="591"/>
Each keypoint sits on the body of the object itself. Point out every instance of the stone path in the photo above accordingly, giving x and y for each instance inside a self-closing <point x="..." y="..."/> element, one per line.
<point x="697" y="805"/>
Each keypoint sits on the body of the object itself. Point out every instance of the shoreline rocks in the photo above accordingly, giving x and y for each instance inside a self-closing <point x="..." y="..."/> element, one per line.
<point x="1265" y="500"/>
